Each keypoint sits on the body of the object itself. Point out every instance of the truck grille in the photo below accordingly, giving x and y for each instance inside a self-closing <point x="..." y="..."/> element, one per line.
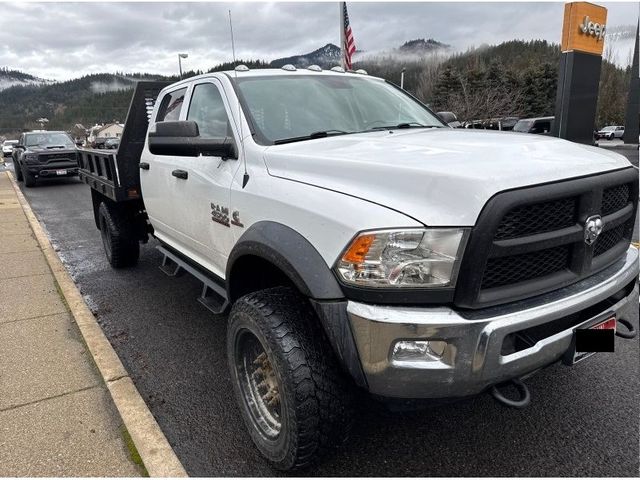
<point x="531" y="241"/>
<point x="610" y="239"/>
<point x="57" y="157"/>
<point x="615" y="198"/>
<point x="537" y="218"/>
<point x="517" y="268"/>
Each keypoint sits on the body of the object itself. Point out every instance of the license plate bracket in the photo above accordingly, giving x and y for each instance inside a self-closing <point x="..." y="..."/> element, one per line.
<point x="591" y="337"/>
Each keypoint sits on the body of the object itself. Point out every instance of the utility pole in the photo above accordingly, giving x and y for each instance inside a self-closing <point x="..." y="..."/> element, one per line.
<point x="180" y="57"/>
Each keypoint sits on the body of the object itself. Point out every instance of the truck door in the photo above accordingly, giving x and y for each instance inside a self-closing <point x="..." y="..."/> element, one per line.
<point x="161" y="188"/>
<point x="205" y="200"/>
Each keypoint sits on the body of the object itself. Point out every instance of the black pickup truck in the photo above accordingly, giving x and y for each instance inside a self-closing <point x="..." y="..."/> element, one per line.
<point x="45" y="154"/>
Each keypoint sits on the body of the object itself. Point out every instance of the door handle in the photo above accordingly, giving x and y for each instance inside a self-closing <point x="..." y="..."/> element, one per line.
<point x="183" y="174"/>
<point x="144" y="165"/>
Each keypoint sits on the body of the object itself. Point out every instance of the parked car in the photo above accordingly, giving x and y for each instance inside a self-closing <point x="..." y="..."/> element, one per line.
<point x="611" y="132"/>
<point x="541" y="126"/>
<point x="99" y="142"/>
<point x="359" y="243"/>
<point x="111" y="144"/>
<point x="44" y="154"/>
<point x="7" y="147"/>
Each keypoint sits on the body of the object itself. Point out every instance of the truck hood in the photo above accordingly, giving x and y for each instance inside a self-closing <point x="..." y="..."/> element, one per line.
<point x="437" y="176"/>
<point x="61" y="149"/>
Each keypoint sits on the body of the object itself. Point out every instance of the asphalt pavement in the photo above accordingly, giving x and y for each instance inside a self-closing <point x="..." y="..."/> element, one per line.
<point x="583" y="421"/>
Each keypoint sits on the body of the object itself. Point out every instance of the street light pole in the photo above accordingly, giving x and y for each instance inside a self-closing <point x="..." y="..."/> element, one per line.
<point x="402" y="78"/>
<point x="180" y="57"/>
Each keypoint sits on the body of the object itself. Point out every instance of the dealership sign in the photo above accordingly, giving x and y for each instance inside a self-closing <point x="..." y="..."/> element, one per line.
<point x="584" y="28"/>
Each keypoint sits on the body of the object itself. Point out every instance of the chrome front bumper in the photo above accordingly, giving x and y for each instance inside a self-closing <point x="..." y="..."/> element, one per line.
<point x="473" y="359"/>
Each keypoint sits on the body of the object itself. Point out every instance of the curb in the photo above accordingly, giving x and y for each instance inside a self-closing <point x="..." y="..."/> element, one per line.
<point x="157" y="455"/>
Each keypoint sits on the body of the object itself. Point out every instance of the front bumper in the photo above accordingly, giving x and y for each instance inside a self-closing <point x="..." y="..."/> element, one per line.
<point x="52" y="170"/>
<point x="474" y="358"/>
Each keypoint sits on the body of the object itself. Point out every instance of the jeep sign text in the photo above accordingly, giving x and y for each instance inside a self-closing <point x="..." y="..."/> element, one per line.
<point x="590" y="28"/>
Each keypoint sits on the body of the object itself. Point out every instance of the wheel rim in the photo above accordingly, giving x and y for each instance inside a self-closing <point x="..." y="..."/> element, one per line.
<point x="259" y="384"/>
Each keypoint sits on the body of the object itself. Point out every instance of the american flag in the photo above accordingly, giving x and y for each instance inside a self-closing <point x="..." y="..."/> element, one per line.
<point x="349" y="46"/>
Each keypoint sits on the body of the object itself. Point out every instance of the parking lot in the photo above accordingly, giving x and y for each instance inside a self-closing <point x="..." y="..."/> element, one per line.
<point x="582" y="420"/>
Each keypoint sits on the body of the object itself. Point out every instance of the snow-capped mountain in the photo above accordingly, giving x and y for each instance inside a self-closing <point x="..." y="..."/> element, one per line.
<point x="11" y="78"/>
<point x="327" y="57"/>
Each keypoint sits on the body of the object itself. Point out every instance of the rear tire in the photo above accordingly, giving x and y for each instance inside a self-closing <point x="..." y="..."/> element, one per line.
<point x="29" y="178"/>
<point x="17" y="170"/>
<point x="294" y="399"/>
<point x="121" y="245"/>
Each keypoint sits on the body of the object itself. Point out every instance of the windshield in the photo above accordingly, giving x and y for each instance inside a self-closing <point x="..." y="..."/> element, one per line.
<point x="523" y="126"/>
<point x="608" y="129"/>
<point x="48" y="139"/>
<point x="288" y="107"/>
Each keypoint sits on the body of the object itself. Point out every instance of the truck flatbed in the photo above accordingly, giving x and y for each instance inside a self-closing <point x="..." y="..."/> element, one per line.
<point x="116" y="175"/>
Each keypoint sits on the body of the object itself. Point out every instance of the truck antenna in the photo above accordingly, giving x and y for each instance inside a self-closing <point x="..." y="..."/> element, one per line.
<point x="245" y="177"/>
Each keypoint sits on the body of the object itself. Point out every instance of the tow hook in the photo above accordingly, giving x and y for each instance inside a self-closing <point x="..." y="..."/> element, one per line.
<point x="629" y="332"/>
<point x="522" y="402"/>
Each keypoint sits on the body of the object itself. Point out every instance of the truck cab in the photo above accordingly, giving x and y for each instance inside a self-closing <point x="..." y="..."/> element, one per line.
<point x="359" y="243"/>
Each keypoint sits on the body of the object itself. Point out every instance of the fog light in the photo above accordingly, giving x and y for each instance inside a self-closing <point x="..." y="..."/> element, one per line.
<point x="418" y="350"/>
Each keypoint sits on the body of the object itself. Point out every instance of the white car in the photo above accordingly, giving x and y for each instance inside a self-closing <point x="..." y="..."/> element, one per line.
<point x="357" y="241"/>
<point x="611" y="132"/>
<point x="7" y="147"/>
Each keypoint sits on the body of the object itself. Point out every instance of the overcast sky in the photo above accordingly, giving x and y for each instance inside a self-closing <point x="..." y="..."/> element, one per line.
<point x="66" y="40"/>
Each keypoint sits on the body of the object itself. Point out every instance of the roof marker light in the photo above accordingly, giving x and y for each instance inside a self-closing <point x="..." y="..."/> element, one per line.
<point x="314" y="68"/>
<point x="241" y="68"/>
<point x="289" y="68"/>
<point x="337" y="69"/>
<point x="362" y="72"/>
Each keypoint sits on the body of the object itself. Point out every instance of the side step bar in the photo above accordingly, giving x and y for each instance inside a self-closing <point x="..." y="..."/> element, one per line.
<point x="213" y="296"/>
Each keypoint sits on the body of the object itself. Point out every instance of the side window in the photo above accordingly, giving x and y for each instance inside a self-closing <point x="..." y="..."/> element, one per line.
<point x="207" y="110"/>
<point x="171" y="106"/>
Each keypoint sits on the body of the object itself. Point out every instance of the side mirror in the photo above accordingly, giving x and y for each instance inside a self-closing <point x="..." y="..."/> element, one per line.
<point x="447" y="117"/>
<point x="183" y="139"/>
<point x="79" y="143"/>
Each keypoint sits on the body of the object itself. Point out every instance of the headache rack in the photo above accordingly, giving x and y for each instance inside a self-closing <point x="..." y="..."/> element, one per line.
<point x="117" y="175"/>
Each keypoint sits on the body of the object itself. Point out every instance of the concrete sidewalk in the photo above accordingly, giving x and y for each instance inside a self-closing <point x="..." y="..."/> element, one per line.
<point x="57" y="417"/>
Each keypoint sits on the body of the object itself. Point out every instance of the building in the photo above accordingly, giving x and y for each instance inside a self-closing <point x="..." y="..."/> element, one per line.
<point x="110" y="130"/>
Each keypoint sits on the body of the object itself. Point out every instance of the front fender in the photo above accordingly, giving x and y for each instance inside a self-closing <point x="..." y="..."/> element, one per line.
<point x="293" y="254"/>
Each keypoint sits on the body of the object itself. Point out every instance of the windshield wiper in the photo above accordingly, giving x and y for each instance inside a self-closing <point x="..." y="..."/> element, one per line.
<point x="403" y="125"/>
<point x="311" y="136"/>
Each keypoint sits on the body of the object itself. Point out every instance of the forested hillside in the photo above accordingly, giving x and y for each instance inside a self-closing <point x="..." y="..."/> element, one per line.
<point x="514" y="78"/>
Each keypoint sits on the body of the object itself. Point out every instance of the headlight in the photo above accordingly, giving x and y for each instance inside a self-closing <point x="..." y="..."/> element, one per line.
<point x="419" y="258"/>
<point x="31" y="157"/>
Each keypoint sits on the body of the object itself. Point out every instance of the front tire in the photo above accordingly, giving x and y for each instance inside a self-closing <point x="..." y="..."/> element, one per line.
<point x="29" y="178"/>
<point x="294" y="399"/>
<point x="121" y="246"/>
<point x="17" y="170"/>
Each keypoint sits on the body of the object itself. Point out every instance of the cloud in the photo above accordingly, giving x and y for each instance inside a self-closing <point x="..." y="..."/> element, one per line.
<point x="66" y="40"/>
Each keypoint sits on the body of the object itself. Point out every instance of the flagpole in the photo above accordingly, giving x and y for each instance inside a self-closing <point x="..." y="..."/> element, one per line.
<point x="342" y="52"/>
